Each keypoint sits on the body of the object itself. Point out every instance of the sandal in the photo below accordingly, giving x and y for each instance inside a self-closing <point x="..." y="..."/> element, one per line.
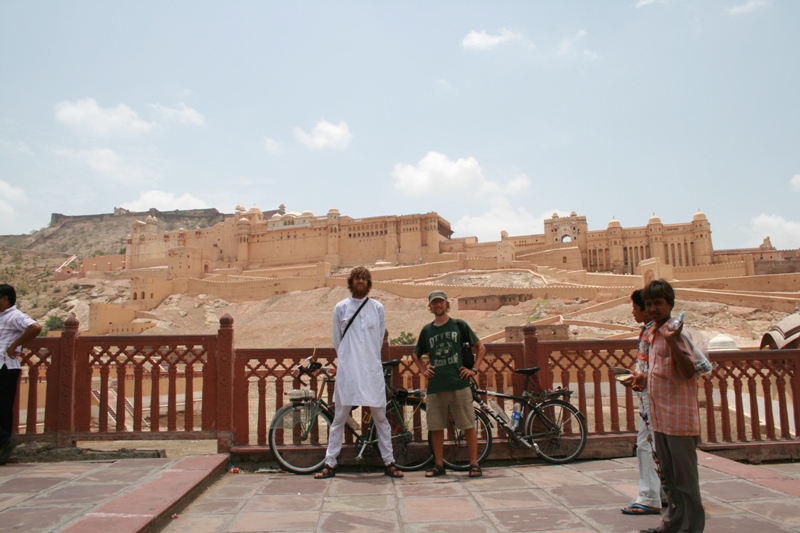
<point x="391" y="470"/>
<point x="325" y="473"/>
<point x="436" y="471"/>
<point x="638" y="508"/>
<point x="475" y="471"/>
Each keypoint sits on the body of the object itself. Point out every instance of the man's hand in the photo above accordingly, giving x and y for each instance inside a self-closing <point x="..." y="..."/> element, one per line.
<point x="429" y="371"/>
<point x="639" y="381"/>
<point x="466" y="373"/>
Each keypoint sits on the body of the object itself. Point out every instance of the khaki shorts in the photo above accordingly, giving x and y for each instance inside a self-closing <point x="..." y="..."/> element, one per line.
<point x="458" y="402"/>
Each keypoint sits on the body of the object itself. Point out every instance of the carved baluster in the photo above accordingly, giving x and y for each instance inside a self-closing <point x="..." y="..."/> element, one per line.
<point x="755" y="419"/>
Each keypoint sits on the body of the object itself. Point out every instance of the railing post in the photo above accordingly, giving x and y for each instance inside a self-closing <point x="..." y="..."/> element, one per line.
<point x="535" y="357"/>
<point x="225" y="392"/>
<point x="65" y="421"/>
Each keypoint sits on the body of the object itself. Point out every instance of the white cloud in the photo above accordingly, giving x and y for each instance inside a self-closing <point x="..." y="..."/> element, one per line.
<point x="643" y="3"/>
<point x="182" y="114"/>
<point x="501" y="217"/>
<point x="443" y="85"/>
<point x="480" y="40"/>
<point x="784" y="234"/>
<point x="747" y="8"/>
<point x="272" y="146"/>
<point x="16" y="148"/>
<point x="9" y="197"/>
<point x="103" y="161"/>
<point x="325" y="135"/>
<point x="11" y="193"/>
<point x="437" y="173"/>
<point x="164" y="201"/>
<point x="795" y="182"/>
<point x="572" y="47"/>
<point x="86" y="114"/>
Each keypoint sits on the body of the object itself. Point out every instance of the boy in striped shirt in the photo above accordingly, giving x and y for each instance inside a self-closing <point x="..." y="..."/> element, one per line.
<point x="674" y="413"/>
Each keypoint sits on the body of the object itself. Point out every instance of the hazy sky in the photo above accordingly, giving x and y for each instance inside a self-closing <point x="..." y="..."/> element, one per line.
<point x="493" y="114"/>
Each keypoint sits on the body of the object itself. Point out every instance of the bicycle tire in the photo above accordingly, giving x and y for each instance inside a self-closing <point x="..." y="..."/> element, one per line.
<point x="298" y="437"/>
<point x="409" y="427"/>
<point x="456" y="455"/>
<point x="558" y="429"/>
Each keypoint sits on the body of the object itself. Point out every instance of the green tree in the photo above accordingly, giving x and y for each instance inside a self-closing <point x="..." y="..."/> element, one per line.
<point x="403" y="339"/>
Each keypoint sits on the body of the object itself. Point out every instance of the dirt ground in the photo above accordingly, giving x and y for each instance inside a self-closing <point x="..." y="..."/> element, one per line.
<point x="302" y="319"/>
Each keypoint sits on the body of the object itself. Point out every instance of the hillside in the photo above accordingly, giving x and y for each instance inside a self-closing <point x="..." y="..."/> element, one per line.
<point x="104" y="234"/>
<point x="302" y="319"/>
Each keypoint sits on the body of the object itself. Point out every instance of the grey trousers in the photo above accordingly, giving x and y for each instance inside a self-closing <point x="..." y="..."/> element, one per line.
<point x="678" y="458"/>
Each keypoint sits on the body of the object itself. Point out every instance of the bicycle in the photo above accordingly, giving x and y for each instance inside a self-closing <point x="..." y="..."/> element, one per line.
<point x="298" y="433"/>
<point x="553" y="427"/>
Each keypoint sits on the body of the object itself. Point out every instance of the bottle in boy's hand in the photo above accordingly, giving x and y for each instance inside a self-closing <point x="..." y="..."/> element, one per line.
<point x="675" y="322"/>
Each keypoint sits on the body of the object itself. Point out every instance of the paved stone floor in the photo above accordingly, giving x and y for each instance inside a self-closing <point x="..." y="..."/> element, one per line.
<point x="196" y="494"/>
<point x="583" y="496"/>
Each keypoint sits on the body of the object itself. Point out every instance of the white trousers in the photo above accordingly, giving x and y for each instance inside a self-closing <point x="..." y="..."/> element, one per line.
<point x="649" y="482"/>
<point x="336" y="436"/>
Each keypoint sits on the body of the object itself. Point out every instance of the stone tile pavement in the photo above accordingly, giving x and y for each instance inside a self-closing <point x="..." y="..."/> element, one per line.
<point x="137" y="495"/>
<point x="580" y="497"/>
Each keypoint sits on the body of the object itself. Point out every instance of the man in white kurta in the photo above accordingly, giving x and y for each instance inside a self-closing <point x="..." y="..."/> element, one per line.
<point x="359" y="374"/>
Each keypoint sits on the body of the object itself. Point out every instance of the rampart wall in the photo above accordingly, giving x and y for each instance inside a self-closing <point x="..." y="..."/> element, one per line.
<point x="765" y="283"/>
<point x="724" y="270"/>
<point x="103" y="263"/>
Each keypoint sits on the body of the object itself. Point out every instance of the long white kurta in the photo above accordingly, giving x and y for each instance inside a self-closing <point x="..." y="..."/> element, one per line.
<point x="359" y="374"/>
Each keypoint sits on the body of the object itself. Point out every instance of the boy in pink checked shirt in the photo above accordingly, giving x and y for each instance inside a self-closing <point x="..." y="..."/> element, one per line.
<point x="674" y="413"/>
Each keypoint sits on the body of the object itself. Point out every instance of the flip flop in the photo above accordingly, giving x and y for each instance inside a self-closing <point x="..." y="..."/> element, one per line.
<point x="638" y="509"/>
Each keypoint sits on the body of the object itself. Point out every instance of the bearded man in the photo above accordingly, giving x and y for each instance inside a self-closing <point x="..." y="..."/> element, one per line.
<point x="359" y="326"/>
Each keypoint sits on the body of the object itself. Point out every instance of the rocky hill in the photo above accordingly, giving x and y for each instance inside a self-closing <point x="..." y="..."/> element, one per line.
<point x="104" y="234"/>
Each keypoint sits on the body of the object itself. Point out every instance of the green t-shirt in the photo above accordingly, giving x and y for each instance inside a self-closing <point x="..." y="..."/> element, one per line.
<point x="443" y="344"/>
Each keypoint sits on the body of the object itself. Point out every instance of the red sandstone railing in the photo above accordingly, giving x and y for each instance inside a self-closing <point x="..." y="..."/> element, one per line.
<point x="141" y="387"/>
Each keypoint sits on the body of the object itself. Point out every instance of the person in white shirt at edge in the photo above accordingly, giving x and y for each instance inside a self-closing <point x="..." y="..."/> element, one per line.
<point x="16" y="328"/>
<point x="651" y="496"/>
<point x="359" y="373"/>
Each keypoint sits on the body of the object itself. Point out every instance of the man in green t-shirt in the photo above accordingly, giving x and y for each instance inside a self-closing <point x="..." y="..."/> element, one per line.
<point x="448" y="380"/>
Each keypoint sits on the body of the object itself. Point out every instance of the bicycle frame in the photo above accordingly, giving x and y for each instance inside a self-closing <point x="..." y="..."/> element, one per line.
<point x="365" y="440"/>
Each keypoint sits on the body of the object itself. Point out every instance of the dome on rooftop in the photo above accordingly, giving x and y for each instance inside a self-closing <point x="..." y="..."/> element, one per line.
<point x="614" y="223"/>
<point x="699" y="216"/>
<point x="722" y="342"/>
<point x="653" y="220"/>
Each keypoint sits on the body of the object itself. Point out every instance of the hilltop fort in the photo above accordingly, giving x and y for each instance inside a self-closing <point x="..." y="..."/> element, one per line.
<point x="254" y="254"/>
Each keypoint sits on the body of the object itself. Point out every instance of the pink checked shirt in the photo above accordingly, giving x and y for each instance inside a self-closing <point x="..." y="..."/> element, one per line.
<point x="673" y="398"/>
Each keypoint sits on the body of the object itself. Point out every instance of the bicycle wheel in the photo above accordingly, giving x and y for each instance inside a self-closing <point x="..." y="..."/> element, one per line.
<point x="409" y="427"/>
<point x="558" y="428"/>
<point x="456" y="454"/>
<point x="298" y="437"/>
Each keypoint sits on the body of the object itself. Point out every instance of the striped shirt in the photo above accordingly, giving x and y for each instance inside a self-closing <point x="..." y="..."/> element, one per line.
<point x="13" y="323"/>
<point x="673" y="398"/>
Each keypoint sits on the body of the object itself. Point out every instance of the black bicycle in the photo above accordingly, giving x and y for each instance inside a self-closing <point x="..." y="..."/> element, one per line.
<point x="298" y="434"/>
<point x="548" y="423"/>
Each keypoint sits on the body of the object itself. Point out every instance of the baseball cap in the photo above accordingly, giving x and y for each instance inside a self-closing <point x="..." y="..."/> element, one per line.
<point x="437" y="294"/>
